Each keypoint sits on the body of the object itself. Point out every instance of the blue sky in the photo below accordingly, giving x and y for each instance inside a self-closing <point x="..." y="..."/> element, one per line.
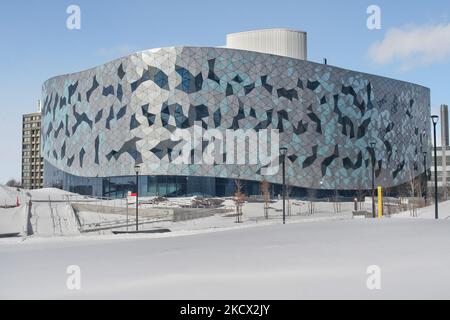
<point x="36" y="44"/>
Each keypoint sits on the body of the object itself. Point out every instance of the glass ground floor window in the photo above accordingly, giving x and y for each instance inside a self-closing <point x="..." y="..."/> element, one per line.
<point x="176" y="186"/>
<point x="183" y="186"/>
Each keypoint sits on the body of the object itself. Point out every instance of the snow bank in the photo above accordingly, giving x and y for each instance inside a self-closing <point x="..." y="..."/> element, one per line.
<point x="9" y="195"/>
<point x="12" y="220"/>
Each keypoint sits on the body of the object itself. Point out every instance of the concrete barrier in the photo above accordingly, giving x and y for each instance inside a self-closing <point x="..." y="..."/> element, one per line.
<point x="154" y="213"/>
<point x="174" y="214"/>
<point x="183" y="214"/>
<point x="362" y="214"/>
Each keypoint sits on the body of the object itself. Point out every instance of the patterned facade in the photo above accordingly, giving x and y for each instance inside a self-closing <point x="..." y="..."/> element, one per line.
<point x="98" y="123"/>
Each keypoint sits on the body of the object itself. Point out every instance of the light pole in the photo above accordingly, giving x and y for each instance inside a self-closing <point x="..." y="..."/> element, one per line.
<point x="435" y="120"/>
<point x="137" y="168"/>
<point x="426" y="175"/>
<point x="283" y="152"/>
<point x="372" y="146"/>
<point x="29" y="215"/>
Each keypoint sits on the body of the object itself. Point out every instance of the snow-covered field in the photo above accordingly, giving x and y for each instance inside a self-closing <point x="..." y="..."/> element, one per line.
<point x="325" y="255"/>
<point x="55" y="218"/>
<point x="327" y="259"/>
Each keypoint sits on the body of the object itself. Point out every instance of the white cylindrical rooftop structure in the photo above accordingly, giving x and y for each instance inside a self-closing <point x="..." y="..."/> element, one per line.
<point x="282" y="42"/>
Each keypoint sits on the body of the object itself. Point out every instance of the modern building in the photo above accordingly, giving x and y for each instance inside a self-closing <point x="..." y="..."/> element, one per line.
<point x="443" y="155"/>
<point x="32" y="161"/>
<point x="99" y="123"/>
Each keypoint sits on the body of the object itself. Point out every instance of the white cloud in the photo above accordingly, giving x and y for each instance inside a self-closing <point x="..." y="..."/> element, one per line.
<point x="413" y="46"/>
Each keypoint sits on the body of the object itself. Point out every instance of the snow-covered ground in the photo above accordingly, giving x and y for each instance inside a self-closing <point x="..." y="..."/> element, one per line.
<point x="428" y="212"/>
<point x="13" y="220"/>
<point x="327" y="259"/>
<point x="50" y="218"/>
<point x="56" y="218"/>
<point x="325" y="255"/>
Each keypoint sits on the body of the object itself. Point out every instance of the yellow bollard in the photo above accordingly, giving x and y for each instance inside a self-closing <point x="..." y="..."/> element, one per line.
<point x="380" y="202"/>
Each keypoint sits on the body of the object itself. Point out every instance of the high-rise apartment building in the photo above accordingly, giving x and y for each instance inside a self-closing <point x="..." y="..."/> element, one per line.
<point x="32" y="161"/>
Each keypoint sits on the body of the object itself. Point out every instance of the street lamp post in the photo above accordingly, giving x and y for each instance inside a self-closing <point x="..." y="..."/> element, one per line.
<point x="137" y="168"/>
<point x="372" y="146"/>
<point x="283" y="152"/>
<point x="426" y="175"/>
<point x="435" y="120"/>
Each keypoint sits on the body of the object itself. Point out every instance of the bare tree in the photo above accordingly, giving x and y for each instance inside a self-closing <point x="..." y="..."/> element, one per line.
<point x="13" y="183"/>
<point x="360" y="193"/>
<point x="289" y="189"/>
<point x="239" y="199"/>
<point x="336" y="203"/>
<point x="311" y="204"/>
<point x="412" y="190"/>
<point x="266" y="195"/>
